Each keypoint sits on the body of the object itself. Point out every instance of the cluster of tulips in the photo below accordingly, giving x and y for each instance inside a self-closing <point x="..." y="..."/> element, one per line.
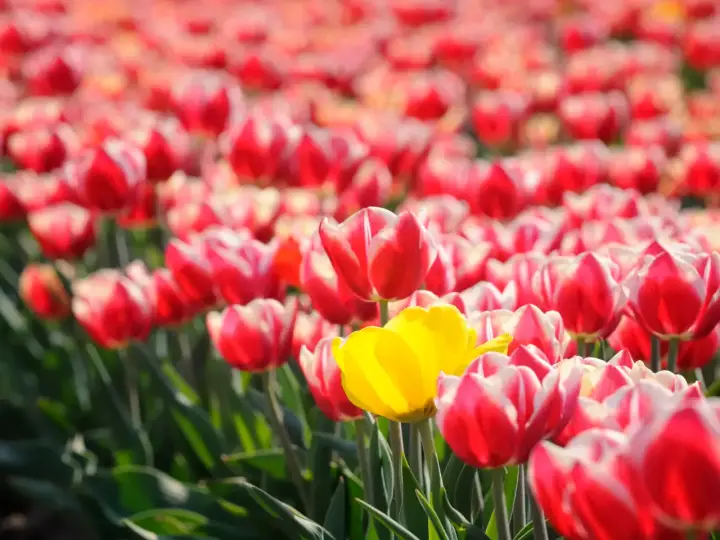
<point x="422" y="206"/>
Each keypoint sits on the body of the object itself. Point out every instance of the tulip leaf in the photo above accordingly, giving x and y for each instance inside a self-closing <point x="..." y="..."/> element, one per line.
<point x="336" y="515"/>
<point x="389" y="523"/>
<point x="511" y="480"/>
<point x="270" y="461"/>
<point x="321" y="466"/>
<point x="346" y="449"/>
<point x="34" y="459"/>
<point x="525" y="533"/>
<point x="357" y="514"/>
<point x="382" y="469"/>
<point x="178" y="521"/>
<point x="190" y="419"/>
<point x="714" y="390"/>
<point x="415" y="515"/>
<point x="438" y="529"/>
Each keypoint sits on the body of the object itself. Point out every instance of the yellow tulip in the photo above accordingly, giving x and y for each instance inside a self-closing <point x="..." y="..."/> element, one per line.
<point x="393" y="371"/>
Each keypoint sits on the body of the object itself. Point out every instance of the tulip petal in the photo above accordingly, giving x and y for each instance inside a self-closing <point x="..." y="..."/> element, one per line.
<point x="499" y="344"/>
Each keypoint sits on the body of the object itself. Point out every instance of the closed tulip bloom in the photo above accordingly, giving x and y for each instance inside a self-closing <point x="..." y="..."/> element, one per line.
<point x="112" y="309"/>
<point x="487" y="297"/>
<point x="324" y="379"/>
<point x="502" y="406"/>
<point x="191" y="270"/>
<point x="245" y="272"/>
<point x="310" y="328"/>
<point x="585" y="292"/>
<point x="677" y="294"/>
<point x="379" y="255"/>
<point x="43" y="292"/>
<point x="528" y="326"/>
<point x="393" y="371"/>
<point x="426" y="299"/>
<point x="11" y="209"/>
<point x="107" y="178"/>
<point x="64" y="231"/>
<point x="256" y="337"/>
<point x="440" y="279"/>
<point x="588" y="491"/>
<point x="678" y="460"/>
<point x="171" y="305"/>
<point x="328" y="292"/>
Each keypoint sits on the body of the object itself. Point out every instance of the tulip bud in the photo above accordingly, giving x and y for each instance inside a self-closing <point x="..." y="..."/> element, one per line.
<point x="324" y="379"/>
<point x="112" y="309"/>
<point x="43" y="292"/>
<point x="256" y="337"/>
<point x="166" y="147"/>
<point x="41" y="149"/>
<point x="378" y="254"/>
<point x="172" y="308"/>
<point x="11" y="209"/>
<point x="486" y="297"/>
<point x="426" y="299"/>
<point x="64" y="231"/>
<point x="107" y="178"/>
<point x="310" y="328"/>
<point x="192" y="272"/>
<point x="256" y="148"/>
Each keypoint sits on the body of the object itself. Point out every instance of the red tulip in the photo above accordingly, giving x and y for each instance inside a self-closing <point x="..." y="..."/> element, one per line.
<point x="11" y="209"/>
<point x="256" y="148"/>
<point x="370" y="186"/>
<point x="470" y="259"/>
<point x="677" y="295"/>
<point x="427" y="299"/>
<point x="310" y="328"/>
<point x="256" y="337"/>
<point x="51" y="72"/>
<point x="191" y="270"/>
<point x="206" y="104"/>
<point x="587" y="491"/>
<point x="527" y="325"/>
<point x="112" y="309"/>
<point x="171" y="307"/>
<point x="697" y="169"/>
<point x="662" y="133"/>
<point x="518" y="270"/>
<point x="325" y="382"/>
<point x="570" y="169"/>
<point x="43" y="292"/>
<point x="444" y="213"/>
<point x="677" y="455"/>
<point x="166" y="147"/>
<point x="498" y="116"/>
<point x="502" y="406"/>
<point x="328" y="293"/>
<point x="378" y="254"/>
<point x="484" y="296"/>
<point x="594" y="116"/>
<point x="107" y="178"/>
<point x="631" y="336"/>
<point x="494" y="190"/>
<point x="637" y="168"/>
<point x="585" y="292"/>
<point x="64" y="231"/>
<point x="244" y="273"/>
<point x="312" y="158"/>
<point x="41" y="149"/>
<point x="440" y="278"/>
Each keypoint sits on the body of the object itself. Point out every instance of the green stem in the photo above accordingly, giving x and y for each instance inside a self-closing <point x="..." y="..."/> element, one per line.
<point x="415" y="451"/>
<point x="364" y="459"/>
<point x="539" y="526"/>
<point x="501" y="512"/>
<point x="396" y="445"/>
<point x="581" y="349"/>
<point x="519" y="517"/>
<point x="673" y="354"/>
<point x="384" y="312"/>
<point x="436" y="484"/>
<point x="655" y="353"/>
<point x="700" y="378"/>
<point x="275" y="417"/>
<point x="131" y="385"/>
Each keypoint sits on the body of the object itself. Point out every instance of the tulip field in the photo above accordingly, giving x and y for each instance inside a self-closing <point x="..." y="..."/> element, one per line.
<point x="358" y="269"/>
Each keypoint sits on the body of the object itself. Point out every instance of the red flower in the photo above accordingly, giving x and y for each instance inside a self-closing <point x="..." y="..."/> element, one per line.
<point x="485" y="296"/>
<point x="328" y="293"/>
<point x="245" y="272"/>
<point x="310" y="328"/>
<point x="427" y="299"/>
<point x="527" y="325"/>
<point x="11" y="209"/>
<point x="108" y="177"/>
<point x="519" y="271"/>
<point x="142" y="213"/>
<point x="112" y="309"/>
<point x="171" y="307"/>
<point x="678" y="458"/>
<point x="584" y="291"/>
<point x="166" y="147"/>
<point x="43" y="292"/>
<point x="677" y="294"/>
<point x="502" y="406"/>
<point x="51" y="72"/>
<point x="587" y="490"/>
<point x="498" y="116"/>
<point x="64" y="231"/>
<point x="256" y="337"/>
<point x="191" y="270"/>
<point x="41" y="149"/>
<point x="325" y="382"/>
<point x="378" y="254"/>
<point x="370" y="186"/>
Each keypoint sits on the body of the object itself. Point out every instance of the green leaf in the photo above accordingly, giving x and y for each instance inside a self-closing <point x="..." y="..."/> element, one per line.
<point x="389" y="523"/>
<point x="35" y="459"/>
<point x="190" y="419"/>
<point x="382" y="469"/>
<point x="321" y="466"/>
<point x="357" y="513"/>
<point x="434" y="519"/>
<point x="525" y="533"/>
<point x="511" y="479"/>
<point x="336" y="516"/>
<point x="714" y="390"/>
<point x="270" y="461"/>
<point x="415" y="516"/>
<point x="177" y="521"/>
<point x="345" y="448"/>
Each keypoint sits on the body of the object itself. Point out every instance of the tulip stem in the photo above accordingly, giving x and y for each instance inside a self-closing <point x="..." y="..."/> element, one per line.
<point x="415" y="451"/>
<point x="673" y="354"/>
<point x="519" y="517"/>
<point x="581" y="349"/>
<point x="501" y="512"/>
<point x="275" y="416"/>
<point x="364" y="459"/>
<point x="655" y="353"/>
<point x="396" y="445"/>
<point x="539" y="526"/>
<point x="131" y="384"/>
<point x="384" y="312"/>
<point x="435" y="487"/>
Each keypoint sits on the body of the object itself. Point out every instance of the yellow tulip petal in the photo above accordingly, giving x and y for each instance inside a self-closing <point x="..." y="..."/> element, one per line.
<point x="380" y="372"/>
<point x="499" y="344"/>
<point x="438" y="335"/>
